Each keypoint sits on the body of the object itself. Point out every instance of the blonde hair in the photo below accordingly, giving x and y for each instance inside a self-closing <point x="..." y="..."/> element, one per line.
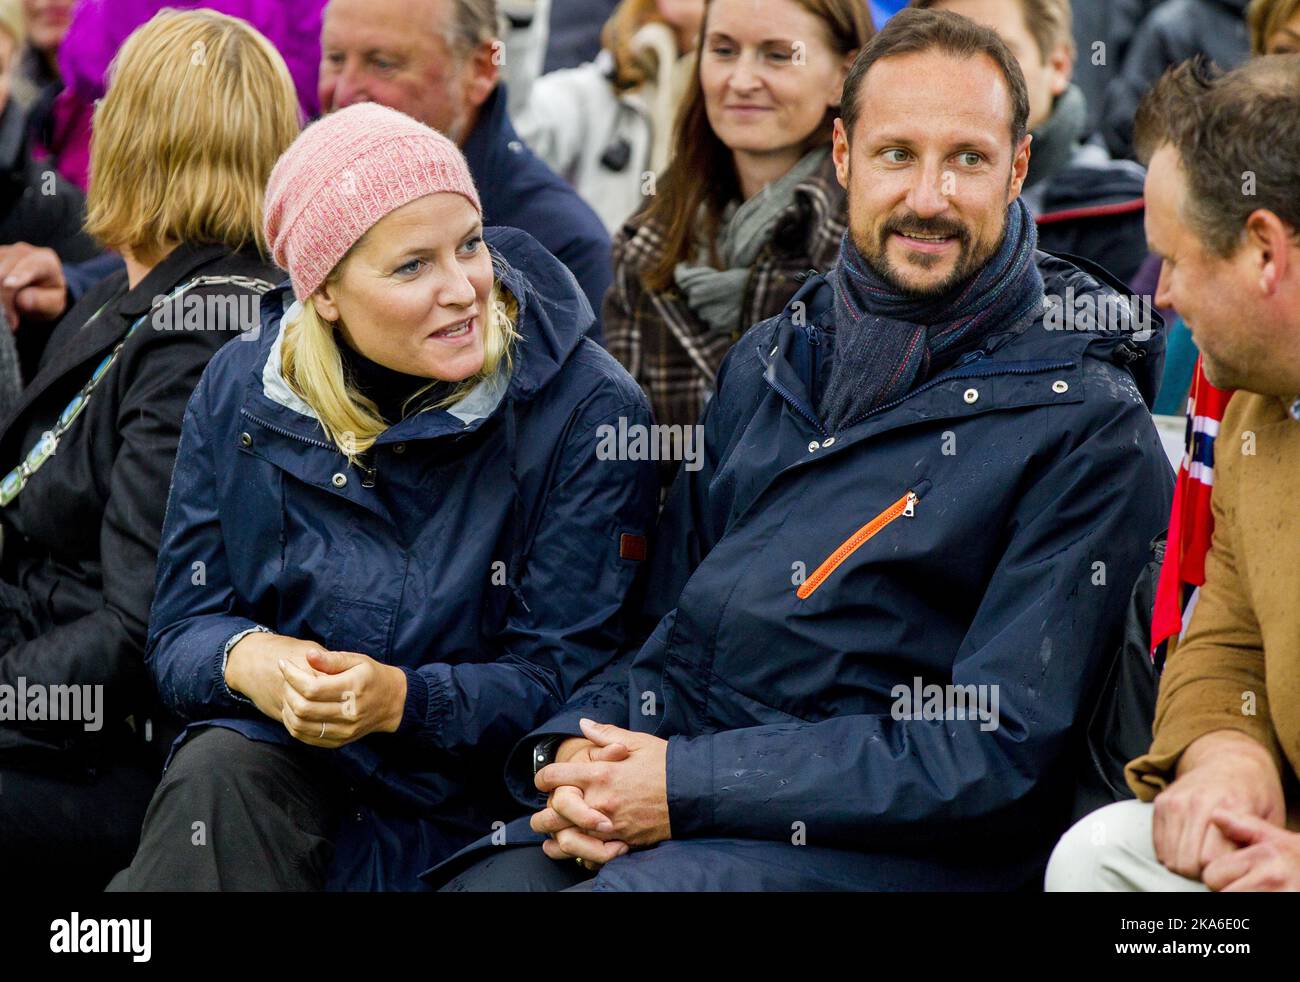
<point x="312" y="366"/>
<point x="199" y="108"/>
<point x="14" y="23"/>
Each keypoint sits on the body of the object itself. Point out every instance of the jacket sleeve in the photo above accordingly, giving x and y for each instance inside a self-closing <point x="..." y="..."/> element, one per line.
<point x="1220" y="659"/>
<point x="684" y="536"/>
<point x="80" y="277"/>
<point x="1037" y="639"/>
<point x="193" y="611"/>
<point x="567" y="618"/>
<point x="106" y="647"/>
<point x="1144" y="62"/>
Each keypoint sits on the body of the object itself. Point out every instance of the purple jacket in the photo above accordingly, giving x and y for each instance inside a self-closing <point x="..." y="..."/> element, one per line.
<point x="100" y="26"/>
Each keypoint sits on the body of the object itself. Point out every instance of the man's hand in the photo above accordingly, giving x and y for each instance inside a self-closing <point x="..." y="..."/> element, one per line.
<point x="1221" y="770"/>
<point x="632" y="794"/>
<point x="1267" y="857"/>
<point x="587" y="831"/>
<point x="31" y="284"/>
<point x="340" y="697"/>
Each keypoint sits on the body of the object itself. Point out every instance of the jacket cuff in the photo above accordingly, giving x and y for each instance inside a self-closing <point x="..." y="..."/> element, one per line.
<point x="1155" y="770"/>
<point x="691" y="801"/>
<point x="416" y="709"/>
<point x="234" y="639"/>
<point x="519" y="762"/>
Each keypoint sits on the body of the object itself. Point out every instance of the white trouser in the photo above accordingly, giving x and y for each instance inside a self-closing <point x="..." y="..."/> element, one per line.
<point x="1112" y="850"/>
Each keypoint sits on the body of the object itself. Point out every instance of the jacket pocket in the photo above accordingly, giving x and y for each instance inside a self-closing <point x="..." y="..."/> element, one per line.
<point x="904" y="507"/>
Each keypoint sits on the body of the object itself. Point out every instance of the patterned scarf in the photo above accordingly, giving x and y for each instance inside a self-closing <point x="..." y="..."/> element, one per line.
<point x="886" y="342"/>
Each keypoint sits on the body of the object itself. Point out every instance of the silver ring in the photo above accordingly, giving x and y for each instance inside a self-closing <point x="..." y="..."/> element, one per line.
<point x="322" y="732"/>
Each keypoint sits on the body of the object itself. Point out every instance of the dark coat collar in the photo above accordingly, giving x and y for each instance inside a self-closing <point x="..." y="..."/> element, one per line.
<point x="167" y="275"/>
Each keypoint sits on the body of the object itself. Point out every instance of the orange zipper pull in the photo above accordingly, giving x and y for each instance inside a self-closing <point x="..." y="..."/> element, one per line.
<point x="904" y="506"/>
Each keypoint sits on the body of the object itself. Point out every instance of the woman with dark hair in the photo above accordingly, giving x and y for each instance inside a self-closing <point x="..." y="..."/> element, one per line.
<point x="749" y="202"/>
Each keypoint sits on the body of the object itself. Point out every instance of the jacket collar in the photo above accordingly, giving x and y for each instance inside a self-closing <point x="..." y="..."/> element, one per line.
<point x="492" y="133"/>
<point x="167" y="275"/>
<point x="788" y="355"/>
<point x="475" y="406"/>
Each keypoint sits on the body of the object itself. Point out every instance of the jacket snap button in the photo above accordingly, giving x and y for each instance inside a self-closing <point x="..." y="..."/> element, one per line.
<point x="814" y="446"/>
<point x="829" y="441"/>
<point x="971" y="395"/>
<point x="1060" y="385"/>
<point x="245" y="440"/>
<point x="399" y="448"/>
<point x="339" y="480"/>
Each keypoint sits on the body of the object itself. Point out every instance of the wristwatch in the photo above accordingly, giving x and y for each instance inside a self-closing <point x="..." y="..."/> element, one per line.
<point x="544" y="752"/>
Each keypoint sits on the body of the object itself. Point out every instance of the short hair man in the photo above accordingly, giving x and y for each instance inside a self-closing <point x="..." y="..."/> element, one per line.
<point x="1222" y="213"/>
<point x="883" y="600"/>
<point x="439" y="62"/>
<point x="1085" y="203"/>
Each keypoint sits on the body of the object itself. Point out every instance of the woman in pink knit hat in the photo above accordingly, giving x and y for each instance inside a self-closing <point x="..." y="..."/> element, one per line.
<point x="396" y="541"/>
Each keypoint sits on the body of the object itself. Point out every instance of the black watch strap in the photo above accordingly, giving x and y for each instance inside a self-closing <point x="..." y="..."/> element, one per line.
<point x="544" y="752"/>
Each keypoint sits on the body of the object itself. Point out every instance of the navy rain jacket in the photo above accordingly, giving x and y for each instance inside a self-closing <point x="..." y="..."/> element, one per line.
<point x="499" y="582"/>
<point x="989" y="527"/>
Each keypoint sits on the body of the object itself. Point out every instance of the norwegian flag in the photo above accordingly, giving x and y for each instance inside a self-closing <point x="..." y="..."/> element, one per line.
<point x="1191" y="523"/>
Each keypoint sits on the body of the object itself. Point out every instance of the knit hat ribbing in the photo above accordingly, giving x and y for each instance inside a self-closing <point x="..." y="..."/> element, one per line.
<point x="342" y="175"/>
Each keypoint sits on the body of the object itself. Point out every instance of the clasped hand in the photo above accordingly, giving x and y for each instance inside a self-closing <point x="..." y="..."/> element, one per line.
<point x="324" y="698"/>
<point x="607" y="793"/>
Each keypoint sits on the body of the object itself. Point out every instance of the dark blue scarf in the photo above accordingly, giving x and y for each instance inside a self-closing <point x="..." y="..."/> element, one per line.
<point x="886" y="342"/>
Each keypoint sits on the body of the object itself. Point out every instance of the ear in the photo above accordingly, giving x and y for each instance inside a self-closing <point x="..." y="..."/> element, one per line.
<point x="840" y="152"/>
<point x="1060" y="67"/>
<point x="1268" y="242"/>
<point x="483" y="69"/>
<point x="325" y="300"/>
<point x="1019" y="168"/>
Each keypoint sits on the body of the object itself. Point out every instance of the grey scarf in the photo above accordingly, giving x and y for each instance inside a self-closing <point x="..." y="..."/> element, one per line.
<point x="716" y="295"/>
<point x="1056" y="140"/>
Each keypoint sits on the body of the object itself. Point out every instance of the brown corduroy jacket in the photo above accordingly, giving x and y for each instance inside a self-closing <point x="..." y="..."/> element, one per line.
<point x="1238" y="666"/>
<point x="670" y="351"/>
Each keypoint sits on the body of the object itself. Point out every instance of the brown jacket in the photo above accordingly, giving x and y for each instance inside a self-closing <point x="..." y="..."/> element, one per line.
<point x="670" y="351"/>
<point x="1238" y="667"/>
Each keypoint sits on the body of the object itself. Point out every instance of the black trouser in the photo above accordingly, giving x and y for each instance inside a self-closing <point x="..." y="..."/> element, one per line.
<point x="236" y="814"/>
<point x="72" y="830"/>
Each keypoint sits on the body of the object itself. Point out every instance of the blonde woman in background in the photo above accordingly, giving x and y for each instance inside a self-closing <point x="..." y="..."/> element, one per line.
<point x="606" y="126"/>
<point x="181" y="154"/>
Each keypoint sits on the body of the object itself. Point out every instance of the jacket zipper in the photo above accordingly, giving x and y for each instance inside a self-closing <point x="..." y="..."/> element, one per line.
<point x="904" y="506"/>
<point x="368" y="474"/>
<point x="289" y="433"/>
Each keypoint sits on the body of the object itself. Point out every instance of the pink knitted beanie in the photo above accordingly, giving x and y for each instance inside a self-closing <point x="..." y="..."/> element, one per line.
<point x="342" y="175"/>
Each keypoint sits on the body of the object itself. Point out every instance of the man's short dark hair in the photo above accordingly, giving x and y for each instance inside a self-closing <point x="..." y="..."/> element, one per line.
<point x="1238" y="140"/>
<point x="912" y="31"/>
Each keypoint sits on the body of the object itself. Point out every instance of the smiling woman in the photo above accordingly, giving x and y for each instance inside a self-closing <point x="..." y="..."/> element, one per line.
<point x="411" y="551"/>
<point x="420" y="302"/>
<point x="749" y="203"/>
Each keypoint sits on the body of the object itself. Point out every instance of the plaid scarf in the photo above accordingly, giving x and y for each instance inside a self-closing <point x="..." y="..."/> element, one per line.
<point x="887" y="342"/>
